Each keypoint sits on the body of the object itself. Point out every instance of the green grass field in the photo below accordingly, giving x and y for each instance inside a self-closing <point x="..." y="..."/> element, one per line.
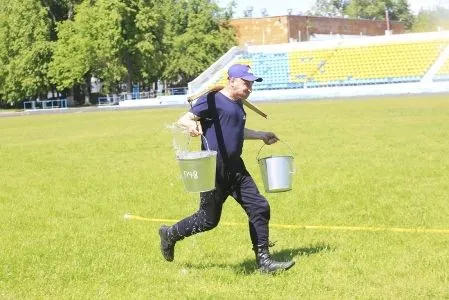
<point x="371" y="188"/>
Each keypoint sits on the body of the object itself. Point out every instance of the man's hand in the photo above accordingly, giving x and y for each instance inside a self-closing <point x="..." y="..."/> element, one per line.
<point x="189" y="122"/>
<point x="269" y="138"/>
<point x="195" y="131"/>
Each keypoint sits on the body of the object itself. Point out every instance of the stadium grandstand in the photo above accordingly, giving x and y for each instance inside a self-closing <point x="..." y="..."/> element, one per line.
<point x="443" y="73"/>
<point x="391" y="64"/>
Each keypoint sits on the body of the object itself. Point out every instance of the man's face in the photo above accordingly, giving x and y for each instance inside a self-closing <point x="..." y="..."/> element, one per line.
<point x="241" y="87"/>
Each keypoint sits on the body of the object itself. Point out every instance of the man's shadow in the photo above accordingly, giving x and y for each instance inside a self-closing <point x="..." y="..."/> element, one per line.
<point x="248" y="266"/>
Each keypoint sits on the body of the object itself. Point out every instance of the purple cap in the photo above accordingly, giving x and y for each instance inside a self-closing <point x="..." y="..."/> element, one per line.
<point x="244" y="72"/>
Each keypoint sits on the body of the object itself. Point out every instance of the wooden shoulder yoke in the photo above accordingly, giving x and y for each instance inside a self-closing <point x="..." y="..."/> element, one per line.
<point x="217" y="88"/>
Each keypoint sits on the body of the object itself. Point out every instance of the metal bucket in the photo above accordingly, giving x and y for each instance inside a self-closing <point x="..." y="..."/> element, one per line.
<point x="198" y="169"/>
<point x="277" y="172"/>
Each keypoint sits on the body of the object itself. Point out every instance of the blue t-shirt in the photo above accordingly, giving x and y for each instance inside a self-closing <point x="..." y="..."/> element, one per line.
<point x="223" y="123"/>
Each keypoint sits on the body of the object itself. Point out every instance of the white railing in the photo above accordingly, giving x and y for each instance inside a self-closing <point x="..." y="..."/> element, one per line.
<point x="45" y="104"/>
<point x="136" y="96"/>
<point x="109" y="100"/>
<point x="151" y="95"/>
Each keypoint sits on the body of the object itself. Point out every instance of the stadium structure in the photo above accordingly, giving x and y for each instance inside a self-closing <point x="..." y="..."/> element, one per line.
<point x="299" y="28"/>
<point x="367" y="66"/>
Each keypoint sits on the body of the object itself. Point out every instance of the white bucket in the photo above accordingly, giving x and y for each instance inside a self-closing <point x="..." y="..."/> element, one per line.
<point x="198" y="169"/>
<point x="277" y="172"/>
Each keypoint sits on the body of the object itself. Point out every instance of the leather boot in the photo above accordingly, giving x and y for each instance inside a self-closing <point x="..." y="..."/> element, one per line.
<point x="266" y="264"/>
<point x="167" y="243"/>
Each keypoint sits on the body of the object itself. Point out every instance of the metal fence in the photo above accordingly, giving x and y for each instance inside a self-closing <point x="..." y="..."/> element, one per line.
<point x="45" y="104"/>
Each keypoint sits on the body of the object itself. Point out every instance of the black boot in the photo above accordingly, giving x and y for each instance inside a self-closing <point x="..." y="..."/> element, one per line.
<point x="266" y="264"/>
<point x="167" y="244"/>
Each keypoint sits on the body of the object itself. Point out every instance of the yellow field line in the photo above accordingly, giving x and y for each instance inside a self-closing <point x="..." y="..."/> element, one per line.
<point x="316" y="227"/>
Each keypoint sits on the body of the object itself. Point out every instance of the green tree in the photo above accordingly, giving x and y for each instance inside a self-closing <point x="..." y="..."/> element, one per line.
<point x="25" y="50"/>
<point x="115" y="41"/>
<point x="144" y="55"/>
<point x="398" y="10"/>
<point x="63" y="44"/>
<point x="368" y="9"/>
<point x="59" y="10"/>
<point x="402" y="12"/>
<point x="431" y="20"/>
<point x="149" y="49"/>
<point x="200" y="34"/>
<point x="329" y="8"/>
<point x="90" y="46"/>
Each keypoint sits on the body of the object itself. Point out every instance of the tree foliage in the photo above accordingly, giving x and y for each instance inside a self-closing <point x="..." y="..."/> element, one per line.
<point x="401" y="11"/>
<point x="200" y="32"/>
<point x="25" y="49"/>
<point x="398" y="10"/>
<point x="89" y="46"/>
<point x="62" y="44"/>
<point x="329" y="8"/>
<point x="431" y="20"/>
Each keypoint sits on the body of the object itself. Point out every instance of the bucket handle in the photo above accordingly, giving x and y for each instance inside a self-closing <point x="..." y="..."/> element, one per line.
<point x="207" y="145"/>
<point x="205" y="140"/>
<point x="258" y="153"/>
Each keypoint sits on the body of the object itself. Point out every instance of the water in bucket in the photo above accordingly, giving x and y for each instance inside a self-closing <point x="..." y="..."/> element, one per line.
<point x="277" y="172"/>
<point x="197" y="167"/>
<point x="198" y="170"/>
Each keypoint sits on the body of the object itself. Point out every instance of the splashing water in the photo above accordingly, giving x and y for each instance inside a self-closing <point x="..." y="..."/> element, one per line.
<point x="180" y="138"/>
<point x="180" y="142"/>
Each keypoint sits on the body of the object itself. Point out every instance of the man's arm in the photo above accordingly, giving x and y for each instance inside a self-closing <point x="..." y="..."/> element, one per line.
<point x="189" y="122"/>
<point x="267" y="137"/>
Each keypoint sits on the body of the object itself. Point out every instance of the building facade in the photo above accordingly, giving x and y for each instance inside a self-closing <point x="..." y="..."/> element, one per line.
<point x="291" y="28"/>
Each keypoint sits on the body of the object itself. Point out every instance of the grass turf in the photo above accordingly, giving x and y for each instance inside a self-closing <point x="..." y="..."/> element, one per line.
<point x="67" y="180"/>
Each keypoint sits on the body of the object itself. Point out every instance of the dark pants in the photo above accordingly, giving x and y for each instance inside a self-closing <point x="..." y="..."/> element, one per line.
<point x="235" y="182"/>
